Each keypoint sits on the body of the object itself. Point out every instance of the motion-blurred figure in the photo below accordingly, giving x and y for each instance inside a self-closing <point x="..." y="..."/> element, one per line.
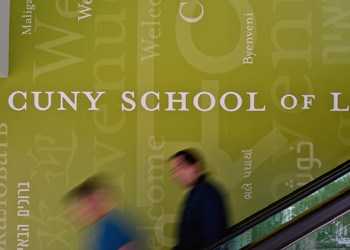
<point x="96" y="208"/>
<point x="203" y="216"/>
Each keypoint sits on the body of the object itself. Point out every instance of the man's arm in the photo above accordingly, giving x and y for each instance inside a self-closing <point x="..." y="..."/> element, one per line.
<point x="214" y="216"/>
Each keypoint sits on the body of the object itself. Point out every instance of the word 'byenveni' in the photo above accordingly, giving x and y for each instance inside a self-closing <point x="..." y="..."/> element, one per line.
<point x="150" y="101"/>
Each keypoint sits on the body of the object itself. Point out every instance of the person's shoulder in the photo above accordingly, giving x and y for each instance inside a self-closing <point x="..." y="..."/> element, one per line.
<point x="210" y="187"/>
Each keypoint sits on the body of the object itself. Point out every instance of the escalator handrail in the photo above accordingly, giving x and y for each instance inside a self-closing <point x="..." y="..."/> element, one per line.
<point x="282" y="203"/>
<point x="304" y="224"/>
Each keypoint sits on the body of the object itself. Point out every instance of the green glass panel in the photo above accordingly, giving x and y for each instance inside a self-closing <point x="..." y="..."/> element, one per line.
<point x="335" y="235"/>
<point x="293" y="211"/>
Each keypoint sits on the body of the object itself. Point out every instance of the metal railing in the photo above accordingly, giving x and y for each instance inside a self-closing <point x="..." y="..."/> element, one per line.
<point x="282" y="204"/>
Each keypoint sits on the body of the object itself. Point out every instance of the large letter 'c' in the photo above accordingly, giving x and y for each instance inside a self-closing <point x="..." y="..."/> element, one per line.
<point x="191" y="20"/>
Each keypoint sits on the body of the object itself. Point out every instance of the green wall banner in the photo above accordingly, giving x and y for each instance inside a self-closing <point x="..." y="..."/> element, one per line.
<point x="118" y="86"/>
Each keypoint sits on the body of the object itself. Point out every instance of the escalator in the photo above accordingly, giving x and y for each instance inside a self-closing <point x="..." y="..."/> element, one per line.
<point x="314" y="217"/>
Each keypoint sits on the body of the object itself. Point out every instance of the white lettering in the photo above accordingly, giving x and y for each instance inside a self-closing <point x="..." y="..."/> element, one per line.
<point x="191" y="20"/>
<point x="336" y="106"/>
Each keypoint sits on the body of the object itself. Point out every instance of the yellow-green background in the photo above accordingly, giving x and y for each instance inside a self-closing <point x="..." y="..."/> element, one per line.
<point x="55" y="150"/>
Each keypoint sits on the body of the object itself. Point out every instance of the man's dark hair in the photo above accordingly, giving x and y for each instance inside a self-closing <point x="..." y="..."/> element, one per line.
<point x="93" y="184"/>
<point x="86" y="188"/>
<point x="191" y="155"/>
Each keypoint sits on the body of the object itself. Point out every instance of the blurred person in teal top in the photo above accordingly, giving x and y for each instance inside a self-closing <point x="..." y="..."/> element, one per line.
<point x="96" y="208"/>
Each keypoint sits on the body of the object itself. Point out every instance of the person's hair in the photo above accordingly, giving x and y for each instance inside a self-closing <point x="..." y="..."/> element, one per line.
<point x="191" y="155"/>
<point x="93" y="184"/>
